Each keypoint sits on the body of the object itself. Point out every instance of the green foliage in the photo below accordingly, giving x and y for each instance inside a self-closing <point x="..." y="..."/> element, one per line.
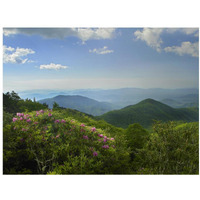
<point x="137" y="137"/>
<point x="171" y="149"/>
<point x="146" y="112"/>
<point x="44" y="142"/>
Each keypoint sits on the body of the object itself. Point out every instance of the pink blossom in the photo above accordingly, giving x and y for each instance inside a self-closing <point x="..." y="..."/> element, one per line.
<point x="72" y="121"/>
<point x="93" y="129"/>
<point x="14" y="128"/>
<point x="57" y="136"/>
<point x="105" y="137"/>
<point x="20" y="114"/>
<point x="95" y="153"/>
<point x="41" y="111"/>
<point x="104" y="140"/>
<point x="23" y="129"/>
<point x="112" y="138"/>
<point x="105" y="147"/>
<point x="14" y="119"/>
<point x="21" y="118"/>
<point x="35" y="122"/>
<point x="28" y="120"/>
<point x="85" y="137"/>
<point x="82" y="125"/>
<point x="63" y="121"/>
<point x="49" y="114"/>
<point x="100" y="135"/>
<point x="56" y="121"/>
<point x="99" y="140"/>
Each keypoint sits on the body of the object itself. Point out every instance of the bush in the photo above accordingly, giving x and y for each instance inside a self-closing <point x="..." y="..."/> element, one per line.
<point x="171" y="149"/>
<point x="41" y="142"/>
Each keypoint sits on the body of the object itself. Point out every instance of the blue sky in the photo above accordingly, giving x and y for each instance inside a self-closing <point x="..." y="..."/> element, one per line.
<point x="80" y="58"/>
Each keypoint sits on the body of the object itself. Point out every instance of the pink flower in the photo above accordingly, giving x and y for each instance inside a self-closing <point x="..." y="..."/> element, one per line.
<point x="56" y="121"/>
<point x="85" y="137"/>
<point x="112" y="139"/>
<point x="35" y="122"/>
<point x="41" y="111"/>
<point x="99" y="140"/>
<point x="14" y="119"/>
<point x="20" y="114"/>
<point x="95" y="153"/>
<point x="105" y="137"/>
<point x="57" y="136"/>
<point x="49" y="114"/>
<point x="23" y="129"/>
<point x="28" y="120"/>
<point x="93" y="129"/>
<point x="105" y="147"/>
<point x="72" y="121"/>
<point x="63" y="121"/>
<point x="14" y="128"/>
<point x="82" y="125"/>
<point x="104" y="140"/>
<point x="21" y="118"/>
<point x="100" y="135"/>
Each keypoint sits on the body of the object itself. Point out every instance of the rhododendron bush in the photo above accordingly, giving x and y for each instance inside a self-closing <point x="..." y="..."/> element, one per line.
<point x="41" y="142"/>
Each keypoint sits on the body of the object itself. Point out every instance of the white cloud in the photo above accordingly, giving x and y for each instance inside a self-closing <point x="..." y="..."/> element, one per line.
<point x="82" y="33"/>
<point x="15" y="56"/>
<point x="53" y="66"/>
<point x="187" y="31"/>
<point x="185" y="48"/>
<point x="151" y="36"/>
<point x="103" y="50"/>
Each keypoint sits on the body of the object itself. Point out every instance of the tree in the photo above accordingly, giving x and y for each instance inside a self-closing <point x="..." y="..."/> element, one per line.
<point x="55" y="105"/>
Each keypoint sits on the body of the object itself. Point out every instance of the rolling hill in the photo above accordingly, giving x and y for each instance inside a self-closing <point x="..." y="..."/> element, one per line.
<point x="80" y="103"/>
<point x="146" y="111"/>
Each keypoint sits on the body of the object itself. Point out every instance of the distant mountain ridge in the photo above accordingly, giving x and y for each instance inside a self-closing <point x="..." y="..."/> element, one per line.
<point x="146" y="111"/>
<point x="122" y="96"/>
<point x="80" y="103"/>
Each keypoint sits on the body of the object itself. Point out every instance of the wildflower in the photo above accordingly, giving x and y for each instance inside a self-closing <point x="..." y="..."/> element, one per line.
<point x="104" y="140"/>
<point x="23" y="129"/>
<point x="85" y="137"/>
<point x="35" y="122"/>
<point x="57" y="136"/>
<point x="82" y="125"/>
<point x="95" y="153"/>
<point x="72" y="121"/>
<point x="21" y="118"/>
<point x="56" y="121"/>
<point x="112" y="139"/>
<point x="28" y="120"/>
<point x="105" y="147"/>
<point x="105" y="137"/>
<point x="41" y="111"/>
<point x="93" y="129"/>
<point x="14" y="119"/>
<point x="100" y="135"/>
<point x="20" y="114"/>
<point x="63" y="121"/>
<point x="99" y="140"/>
<point x="49" y="114"/>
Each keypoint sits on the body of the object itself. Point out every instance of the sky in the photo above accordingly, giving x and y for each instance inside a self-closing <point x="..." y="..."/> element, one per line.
<point x="107" y="58"/>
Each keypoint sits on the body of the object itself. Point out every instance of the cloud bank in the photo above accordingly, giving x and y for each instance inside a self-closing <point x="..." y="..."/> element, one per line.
<point x="16" y="56"/>
<point x="185" y="48"/>
<point x="82" y="33"/>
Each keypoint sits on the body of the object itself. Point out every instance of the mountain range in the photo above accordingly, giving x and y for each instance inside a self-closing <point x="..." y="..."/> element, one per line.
<point x="122" y="97"/>
<point x="146" y="112"/>
<point x="80" y="103"/>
